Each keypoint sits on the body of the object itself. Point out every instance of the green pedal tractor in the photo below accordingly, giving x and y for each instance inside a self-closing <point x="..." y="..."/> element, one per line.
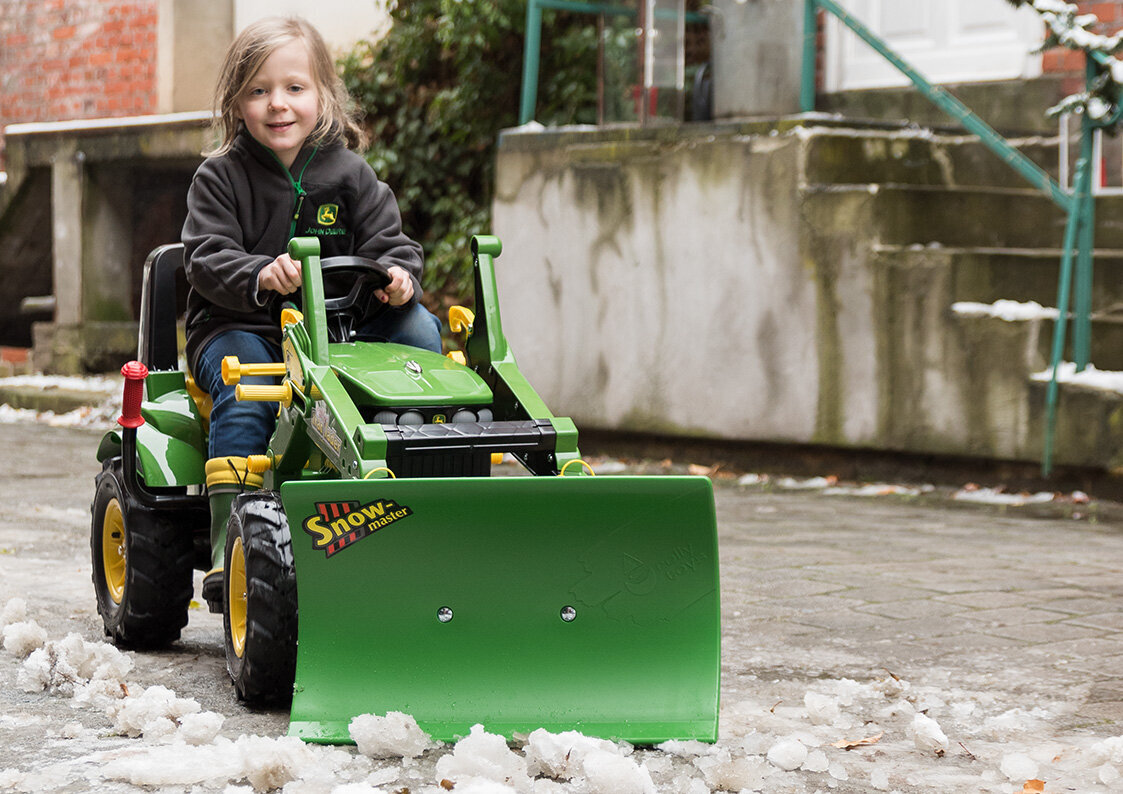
<point x="373" y="561"/>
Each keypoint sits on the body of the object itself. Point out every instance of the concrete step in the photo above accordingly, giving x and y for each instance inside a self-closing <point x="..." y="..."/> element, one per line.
<point x="914" y="156"/>
<point x="959" y="217"/>
<point x="948" y="276"/>
<point x="985" y="275"/>
<point x="964" y="384"/>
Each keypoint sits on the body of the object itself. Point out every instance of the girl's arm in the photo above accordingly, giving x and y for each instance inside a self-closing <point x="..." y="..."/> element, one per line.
<point x="379" y="235"/>
<point x="217" y="263"/>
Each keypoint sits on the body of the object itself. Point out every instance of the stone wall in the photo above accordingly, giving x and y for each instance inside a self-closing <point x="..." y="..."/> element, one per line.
<point x="785" y="283"/>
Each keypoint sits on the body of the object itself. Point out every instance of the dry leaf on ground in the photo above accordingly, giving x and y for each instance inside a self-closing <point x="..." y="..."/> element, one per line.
<point x="850" y="744"/>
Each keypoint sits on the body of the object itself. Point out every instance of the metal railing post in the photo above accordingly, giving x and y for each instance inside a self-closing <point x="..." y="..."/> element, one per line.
<point x="1086" y="206"/>
<point x="532" y="47"/>
<point x="1073" y="233"/>
<point x="807" y="69"/>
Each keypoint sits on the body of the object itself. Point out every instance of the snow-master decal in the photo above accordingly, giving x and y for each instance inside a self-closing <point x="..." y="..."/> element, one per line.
<point x="336" y="525"/>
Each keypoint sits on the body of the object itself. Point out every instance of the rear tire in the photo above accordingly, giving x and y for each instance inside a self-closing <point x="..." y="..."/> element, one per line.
<point x="142" y="565"/>
<point x="259" y="613"/>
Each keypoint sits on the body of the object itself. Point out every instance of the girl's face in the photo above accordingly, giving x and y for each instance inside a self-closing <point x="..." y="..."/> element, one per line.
<point x="280" y="104"/>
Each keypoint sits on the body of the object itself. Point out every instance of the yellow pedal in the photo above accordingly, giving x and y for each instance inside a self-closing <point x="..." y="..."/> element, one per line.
<point x="233" y="370"/>
<point x="268" y="394"/>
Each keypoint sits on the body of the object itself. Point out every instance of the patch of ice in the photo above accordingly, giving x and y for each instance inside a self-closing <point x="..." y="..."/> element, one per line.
<point x="1108" y="775"/>
<point x="816" y="762"/>
<point x="685" y="748"/>
<point x="810" y="484"/>
<point x="10" y="778"/>
<point x="879" y="778"/>
<point x="787" y="754"/>
<point x="752" y="479"/>
<point x="724" y="773"/>
<point x="1018" y="766"/>
<point x="995" y="496"/>
<point x="396" y="735"/>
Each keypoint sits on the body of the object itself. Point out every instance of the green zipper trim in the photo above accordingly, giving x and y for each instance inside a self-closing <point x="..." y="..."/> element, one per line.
<point x="297" y="185"/>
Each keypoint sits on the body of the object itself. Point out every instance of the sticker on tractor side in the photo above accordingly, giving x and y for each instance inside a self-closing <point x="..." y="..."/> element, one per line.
<point x="337" y="525"/>
<point x="321" y="424"/>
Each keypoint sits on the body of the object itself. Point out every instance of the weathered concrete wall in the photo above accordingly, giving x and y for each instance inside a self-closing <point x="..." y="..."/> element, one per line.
<point x="738" y="281"/>
<point x="635" y="299"/>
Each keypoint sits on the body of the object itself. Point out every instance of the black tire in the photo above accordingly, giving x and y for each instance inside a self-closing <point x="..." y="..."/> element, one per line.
<point x="259" y="611"/>
<point x="142" y="565"/>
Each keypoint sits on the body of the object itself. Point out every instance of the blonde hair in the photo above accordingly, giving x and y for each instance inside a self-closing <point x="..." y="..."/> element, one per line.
<point x="335" y="118"/>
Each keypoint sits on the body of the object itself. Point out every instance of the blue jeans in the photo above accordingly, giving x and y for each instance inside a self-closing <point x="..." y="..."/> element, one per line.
<point x="243" y="428"/>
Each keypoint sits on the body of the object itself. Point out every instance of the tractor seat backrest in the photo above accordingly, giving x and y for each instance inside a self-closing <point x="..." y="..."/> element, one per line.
<point x="158" y="348"/>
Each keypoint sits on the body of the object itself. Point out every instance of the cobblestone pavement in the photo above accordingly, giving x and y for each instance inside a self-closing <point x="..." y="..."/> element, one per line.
<point x="1008" y="621"/>
<point x="843" y="618"/>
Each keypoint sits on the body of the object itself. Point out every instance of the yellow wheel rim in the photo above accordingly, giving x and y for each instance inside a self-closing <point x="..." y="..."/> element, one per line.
<point x="114" y="560"/>
<point x="236" y="597"/>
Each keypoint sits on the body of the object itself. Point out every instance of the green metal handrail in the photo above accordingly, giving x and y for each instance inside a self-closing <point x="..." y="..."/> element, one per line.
<point x="532" y="42"/>
<point x="1078" y="204"/>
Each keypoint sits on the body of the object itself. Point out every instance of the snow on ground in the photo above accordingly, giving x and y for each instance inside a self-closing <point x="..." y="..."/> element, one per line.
<point x="104" y="391"/>
<point x="792" y="735"/>
<point x="879" y="735"/>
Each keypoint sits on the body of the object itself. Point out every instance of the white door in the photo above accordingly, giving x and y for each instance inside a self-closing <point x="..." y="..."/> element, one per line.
<point x="947" y="41"/>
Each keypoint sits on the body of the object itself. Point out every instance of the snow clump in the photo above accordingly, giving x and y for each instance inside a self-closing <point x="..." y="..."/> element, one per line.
<point x="23" y="638"/>
<point x="927" y="735"/>
<point x="1018" y="766"/>
<point x="821" y="709"/>
<point x="562" y="755"/>
<point x="787" y="754"/>
<point x="271" y="763"/>
<point x="90" y="672"/>
<point x="14" y="611"/>
<point x="484" y="756"/>
<point x="597" y="764"/>
<point x="155" y="713"/>
<point x="396" y="735"/>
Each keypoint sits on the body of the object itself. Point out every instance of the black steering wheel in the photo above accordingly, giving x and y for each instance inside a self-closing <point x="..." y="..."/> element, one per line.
<point x="349" y="285"/>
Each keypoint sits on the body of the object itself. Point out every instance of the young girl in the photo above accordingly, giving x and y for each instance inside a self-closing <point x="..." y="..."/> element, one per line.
<point x="281" y="170"/>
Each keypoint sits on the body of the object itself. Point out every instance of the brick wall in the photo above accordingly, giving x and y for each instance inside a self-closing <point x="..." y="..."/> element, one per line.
<point x="1061" y="60"/>
<point x="76" y="59"/>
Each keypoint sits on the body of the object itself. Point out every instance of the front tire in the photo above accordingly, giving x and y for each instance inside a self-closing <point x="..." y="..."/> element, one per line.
<point x="259" y="613"/>
<point x="142" y="565"/>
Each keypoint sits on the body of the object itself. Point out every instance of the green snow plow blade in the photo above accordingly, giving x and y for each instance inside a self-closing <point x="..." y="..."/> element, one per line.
<point x="565" y="603"/>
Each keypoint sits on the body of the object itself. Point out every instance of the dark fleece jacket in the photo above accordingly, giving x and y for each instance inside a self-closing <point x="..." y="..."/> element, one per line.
<point x="244" y="206"/>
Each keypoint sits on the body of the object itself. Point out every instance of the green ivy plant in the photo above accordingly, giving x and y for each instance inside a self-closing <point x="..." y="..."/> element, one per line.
<point x="434" y="94"/>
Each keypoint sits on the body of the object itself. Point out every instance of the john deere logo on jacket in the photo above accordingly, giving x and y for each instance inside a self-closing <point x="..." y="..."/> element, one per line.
<point x="326" y="214"/>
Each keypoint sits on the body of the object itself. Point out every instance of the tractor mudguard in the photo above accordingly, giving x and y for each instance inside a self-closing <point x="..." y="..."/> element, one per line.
<point x="566" y="603"/>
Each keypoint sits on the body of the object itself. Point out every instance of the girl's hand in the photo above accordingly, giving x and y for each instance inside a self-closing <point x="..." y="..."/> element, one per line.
<point x="399" y="290"/>
<point x="281" y="275"/>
